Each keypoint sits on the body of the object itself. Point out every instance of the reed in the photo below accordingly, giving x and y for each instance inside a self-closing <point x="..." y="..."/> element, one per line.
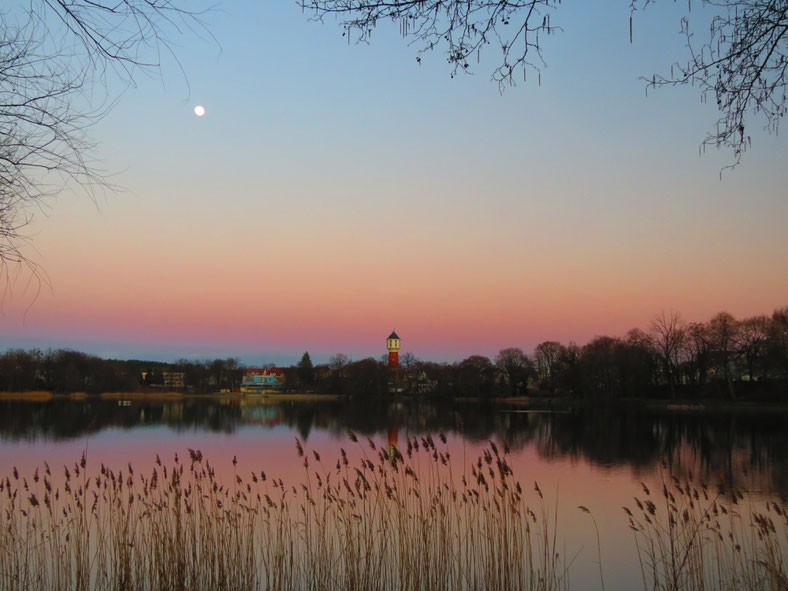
<point x="692" y="536"/>
<point x="375" y="518"/>
<point x="385" y="520"/>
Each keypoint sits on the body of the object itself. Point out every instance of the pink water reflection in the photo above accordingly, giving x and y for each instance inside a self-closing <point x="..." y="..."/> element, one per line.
<point x="568" y="483"/>
<point x="566" y="475"/>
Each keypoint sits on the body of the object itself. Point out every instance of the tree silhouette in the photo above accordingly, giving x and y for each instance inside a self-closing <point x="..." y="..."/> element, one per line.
<point x="305" y="370"/>
<point x="741" y="63"/>
<point x="668" y="334"/>
<point x="517" y="367"/>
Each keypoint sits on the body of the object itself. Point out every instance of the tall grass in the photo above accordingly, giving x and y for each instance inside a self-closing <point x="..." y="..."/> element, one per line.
<point x="385" y="520"/>
<point x="692" y="536"/>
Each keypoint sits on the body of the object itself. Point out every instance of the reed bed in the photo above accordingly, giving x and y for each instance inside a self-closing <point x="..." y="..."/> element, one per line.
<point x="374" y="518"/>
<point x="383" y="520"/>
<point x="692" y="536"/>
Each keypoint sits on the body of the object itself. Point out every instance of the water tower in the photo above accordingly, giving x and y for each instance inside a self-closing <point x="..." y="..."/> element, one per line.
<point x="392" y="343"/>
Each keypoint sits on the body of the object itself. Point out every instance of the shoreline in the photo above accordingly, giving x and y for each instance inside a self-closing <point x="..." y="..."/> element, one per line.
<point x="536" y="403"/>
<point x="44" y="396"/>
<point x="687" y="405"/>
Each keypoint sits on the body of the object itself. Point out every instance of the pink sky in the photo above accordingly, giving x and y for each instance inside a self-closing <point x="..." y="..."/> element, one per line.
<point x="457" y="296"/>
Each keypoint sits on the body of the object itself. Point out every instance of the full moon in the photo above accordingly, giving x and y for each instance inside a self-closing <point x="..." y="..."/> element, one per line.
<point x="199" y="110"/>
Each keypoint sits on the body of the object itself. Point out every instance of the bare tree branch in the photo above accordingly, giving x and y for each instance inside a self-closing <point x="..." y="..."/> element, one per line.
<point x="462" y="28"/>
<point x="56" y="60"/>
<point x="742" y="65"/>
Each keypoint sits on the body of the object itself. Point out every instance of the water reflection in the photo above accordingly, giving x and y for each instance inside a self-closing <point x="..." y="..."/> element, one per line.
<point x="747" y="451"/>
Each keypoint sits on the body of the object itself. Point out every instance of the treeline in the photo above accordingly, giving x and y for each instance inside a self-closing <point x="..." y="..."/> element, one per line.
<point x="65" y="371"/>
<point x="724" y="356"/>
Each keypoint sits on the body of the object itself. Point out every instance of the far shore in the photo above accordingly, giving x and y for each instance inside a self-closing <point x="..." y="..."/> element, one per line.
<point x="35" y="395"/>
<point x="43" y="396"/>
<point x="688" y="405"/>
<point x="532" y="403"/>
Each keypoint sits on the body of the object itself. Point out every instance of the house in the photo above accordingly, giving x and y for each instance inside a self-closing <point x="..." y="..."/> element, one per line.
<point x="174" y="379"/>
<point x="259" y="379"/>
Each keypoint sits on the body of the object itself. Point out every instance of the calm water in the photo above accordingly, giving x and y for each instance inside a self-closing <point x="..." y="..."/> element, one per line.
<point x="595" y="459"/>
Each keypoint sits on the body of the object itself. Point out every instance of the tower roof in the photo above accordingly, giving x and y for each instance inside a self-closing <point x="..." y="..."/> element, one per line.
<point x="393" y="335"/>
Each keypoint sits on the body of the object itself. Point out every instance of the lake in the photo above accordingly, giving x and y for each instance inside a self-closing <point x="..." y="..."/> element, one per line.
<point x="598" y="459"/>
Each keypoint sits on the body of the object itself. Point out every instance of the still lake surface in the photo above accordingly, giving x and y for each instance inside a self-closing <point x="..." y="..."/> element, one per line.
<point x="597" y="459"/>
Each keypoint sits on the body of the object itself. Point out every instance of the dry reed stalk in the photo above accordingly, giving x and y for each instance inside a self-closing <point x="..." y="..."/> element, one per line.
<point x="380" y="522"/>
<point x="383" y="519"/>
<point x="693" y="536"/>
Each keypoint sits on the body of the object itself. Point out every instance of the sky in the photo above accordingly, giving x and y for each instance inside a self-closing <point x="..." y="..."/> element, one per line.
<point x="334" y="192"/>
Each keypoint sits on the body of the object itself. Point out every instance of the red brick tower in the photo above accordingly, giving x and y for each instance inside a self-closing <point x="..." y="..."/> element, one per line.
<point x="393" y="346"/>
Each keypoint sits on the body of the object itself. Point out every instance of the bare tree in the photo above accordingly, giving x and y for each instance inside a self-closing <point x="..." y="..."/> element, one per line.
<point x="638" y="362"/>
<point x="778" y="339"/>
<point x="463" y="27"/>
<point x="566" y="372"/>
<point x="408" y="361"/>
<point x="410" y="364"/>
<point x="723" y="331"/>
<point x="753" y="340"/>
<point x="338" y="362"/>
<point x="546" y="354"/>
<point x="667" y="332"/>
<point x="696" y="352"/>
<point x="742" y="64"/>
<point x="516" y="367"/>
<point x="57" y="61"/>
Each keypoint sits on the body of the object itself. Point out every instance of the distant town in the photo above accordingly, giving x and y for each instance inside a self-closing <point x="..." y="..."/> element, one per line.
<point x="724" y="357"/>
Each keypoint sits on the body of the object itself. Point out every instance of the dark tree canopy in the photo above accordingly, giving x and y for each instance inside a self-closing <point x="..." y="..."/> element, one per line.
<point x="305" y="369"/>
<point x="738" y="58"/>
